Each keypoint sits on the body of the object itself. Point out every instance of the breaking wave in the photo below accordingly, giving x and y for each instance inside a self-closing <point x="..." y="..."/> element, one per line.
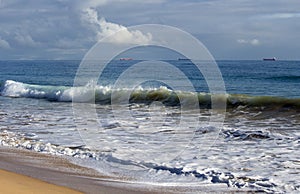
<point x="103" y="95"/>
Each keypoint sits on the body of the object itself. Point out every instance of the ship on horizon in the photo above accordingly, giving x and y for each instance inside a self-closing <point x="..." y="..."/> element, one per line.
<point x="126" y="59"/>
<point x="270" y="59"/>
<point x="184" y="59"/>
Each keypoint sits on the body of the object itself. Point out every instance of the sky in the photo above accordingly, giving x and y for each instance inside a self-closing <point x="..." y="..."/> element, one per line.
<point x="230" y="29"/>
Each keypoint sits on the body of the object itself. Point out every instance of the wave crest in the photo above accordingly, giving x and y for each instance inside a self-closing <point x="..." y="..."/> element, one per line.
<point x="103" y="94"/>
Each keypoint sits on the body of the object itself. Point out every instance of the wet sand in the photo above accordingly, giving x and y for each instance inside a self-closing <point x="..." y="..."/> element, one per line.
<point x="42" y="169"/>
<point x="24" y="170"/>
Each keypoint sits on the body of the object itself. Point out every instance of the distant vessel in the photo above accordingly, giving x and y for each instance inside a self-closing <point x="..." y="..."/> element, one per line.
<point x="126" y="59"/>
<point x="183" y="59"/>
<point x="270" y="59"/>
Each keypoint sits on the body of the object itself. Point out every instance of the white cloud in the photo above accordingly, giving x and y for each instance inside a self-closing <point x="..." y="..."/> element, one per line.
<point x="105" y="29"/>
<point x="4" y="44"/>
<point x="242" y="41"/>
<point x="222" y="25"/>
<point x="281" y="16"/>
<point x="84" y="4"/>
<point x="26" y="40"/>
<point x="253" y="42"/>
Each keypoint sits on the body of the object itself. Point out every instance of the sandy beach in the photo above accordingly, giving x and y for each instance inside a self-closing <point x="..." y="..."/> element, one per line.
<point x="16" y="183"/>
<point x="29" y="172"/>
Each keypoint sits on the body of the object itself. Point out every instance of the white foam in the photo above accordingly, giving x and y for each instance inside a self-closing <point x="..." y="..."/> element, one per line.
<point x="18" y="89"/>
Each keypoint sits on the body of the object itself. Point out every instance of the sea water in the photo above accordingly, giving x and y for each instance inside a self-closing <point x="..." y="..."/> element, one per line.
<point x="257" y="147"/>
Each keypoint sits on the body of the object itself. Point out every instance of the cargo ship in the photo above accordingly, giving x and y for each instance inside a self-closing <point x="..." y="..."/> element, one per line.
<point x="270" y="59"/>
<point x="126" y="59"/>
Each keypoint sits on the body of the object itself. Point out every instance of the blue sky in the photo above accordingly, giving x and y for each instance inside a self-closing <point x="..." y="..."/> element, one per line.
<point x="230" y="29"/>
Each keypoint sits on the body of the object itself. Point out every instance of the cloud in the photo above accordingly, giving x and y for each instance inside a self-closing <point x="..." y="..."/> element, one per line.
<point x="4" y="44"/>
<point x="253" y="42"/>
<point x="281" y="16"/>
<point x="104" y="29"/>
<point x="26" y="40"/>
<point x="45" y="28"/>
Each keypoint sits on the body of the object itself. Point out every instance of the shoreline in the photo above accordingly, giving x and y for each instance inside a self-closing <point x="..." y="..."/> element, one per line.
<point x="59" y="172"/>
<point x="56" y="171"/>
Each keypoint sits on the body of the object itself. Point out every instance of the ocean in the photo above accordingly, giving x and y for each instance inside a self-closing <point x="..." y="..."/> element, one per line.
<point x="151" y="138"/>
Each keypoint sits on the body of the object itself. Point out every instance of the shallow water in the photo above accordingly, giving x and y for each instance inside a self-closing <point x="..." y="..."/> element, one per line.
<point x="259" y="154"/>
